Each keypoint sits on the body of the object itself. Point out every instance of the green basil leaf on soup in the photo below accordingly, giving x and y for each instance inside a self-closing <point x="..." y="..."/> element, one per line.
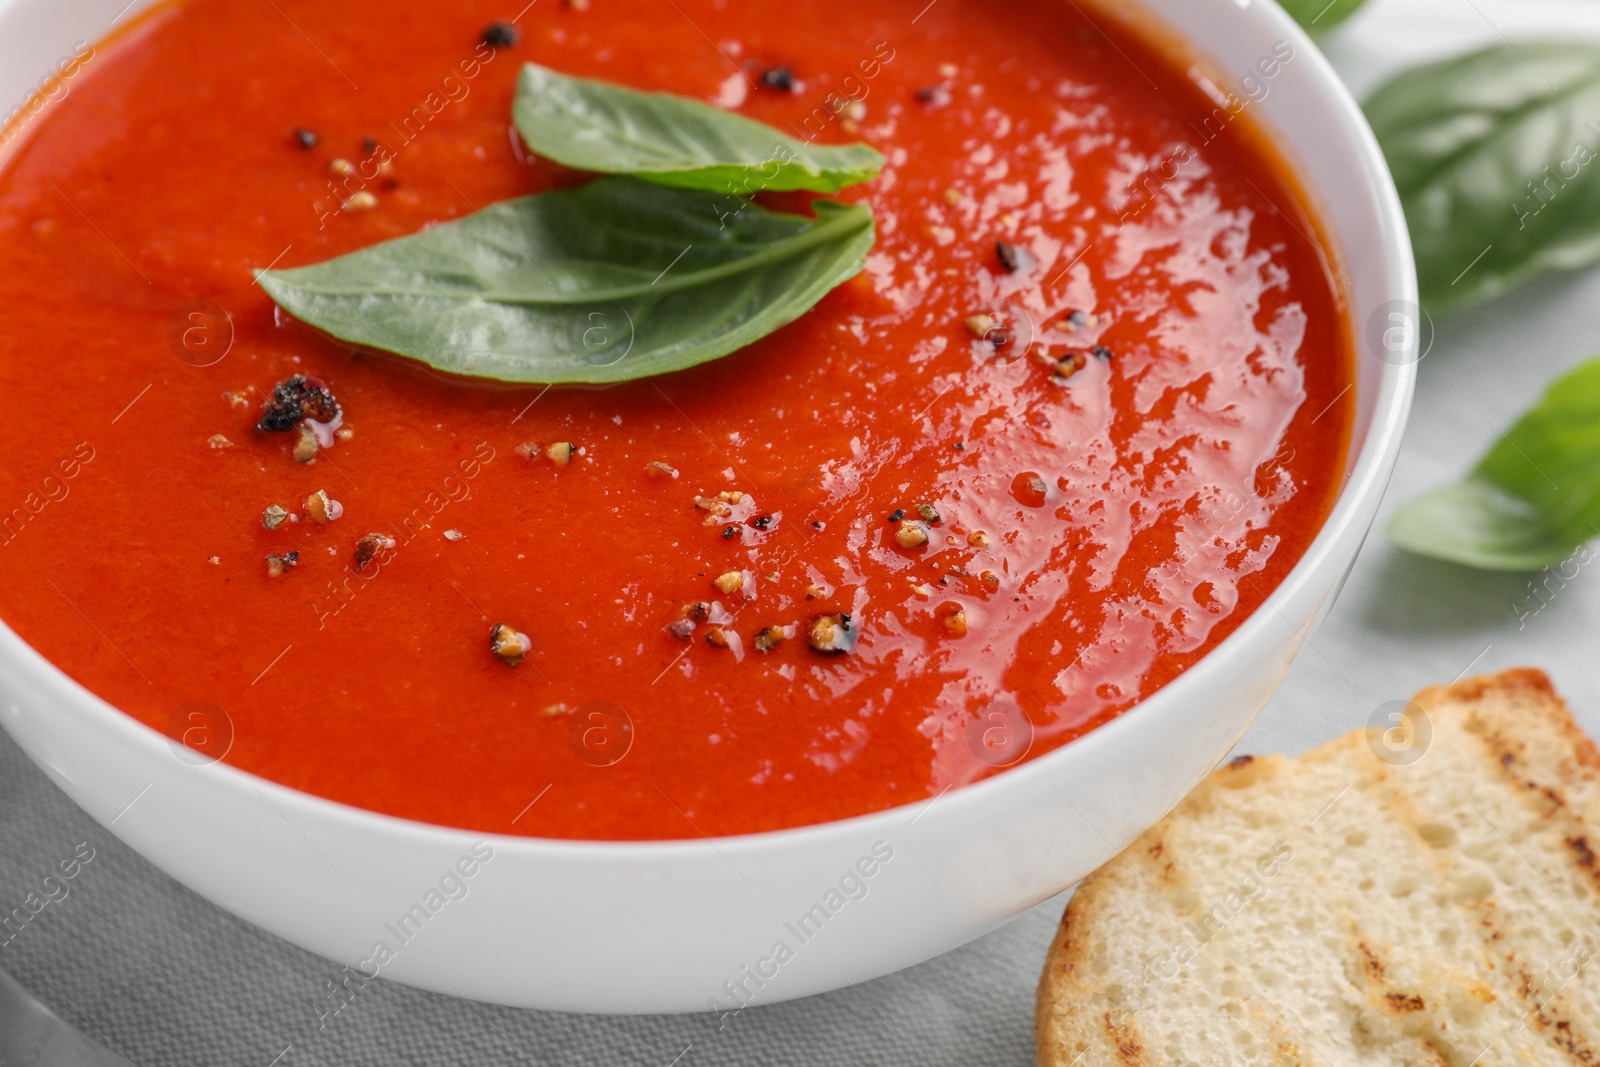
<point x="1494" y="154"/>
<point x="614" y="280"/>
<point x="673" y="140"/>
<point x="1532" y="500"/>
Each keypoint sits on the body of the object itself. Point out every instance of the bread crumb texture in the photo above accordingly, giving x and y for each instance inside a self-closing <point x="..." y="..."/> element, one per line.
<point x="1340" y="909"/>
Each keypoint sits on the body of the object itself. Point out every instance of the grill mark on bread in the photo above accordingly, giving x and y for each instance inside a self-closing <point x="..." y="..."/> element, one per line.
<point x="1557" y="810"/>
<point x="1374" y="966"/>
<point x="1527" y="990"/>
<point x="1573" y="1043"/>
<point x="1557" y="1030"/>
<point x="1571" y="826"/>
<point x="1125" y="1039"/>
<point x="1169" y="871"/>
<point x="1402" y="1003"/>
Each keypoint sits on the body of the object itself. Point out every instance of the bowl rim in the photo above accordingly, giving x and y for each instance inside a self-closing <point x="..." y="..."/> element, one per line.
<point x="1370" y="461"/>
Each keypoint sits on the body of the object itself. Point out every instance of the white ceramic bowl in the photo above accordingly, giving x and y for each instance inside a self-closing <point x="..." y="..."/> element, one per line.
<point x="679" y="925"/>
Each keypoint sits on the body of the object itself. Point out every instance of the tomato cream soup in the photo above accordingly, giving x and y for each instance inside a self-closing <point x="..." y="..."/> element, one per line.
<point x="1084" y="408"/>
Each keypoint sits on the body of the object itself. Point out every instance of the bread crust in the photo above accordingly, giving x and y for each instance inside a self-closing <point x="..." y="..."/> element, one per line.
<point x="1517" y="736"/>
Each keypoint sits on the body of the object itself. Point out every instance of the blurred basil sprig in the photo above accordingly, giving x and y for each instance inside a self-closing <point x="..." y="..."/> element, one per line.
<point x="1494" y="154"/>
<point x="1532" y="500"/>
<point x="1319" y="16"/>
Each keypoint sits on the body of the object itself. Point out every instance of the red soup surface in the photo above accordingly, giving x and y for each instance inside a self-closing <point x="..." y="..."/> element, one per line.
<point x="1089" y="537"/>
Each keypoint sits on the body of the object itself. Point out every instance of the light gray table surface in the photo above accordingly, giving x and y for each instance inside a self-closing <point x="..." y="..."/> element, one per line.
<point x="171" y="980"/>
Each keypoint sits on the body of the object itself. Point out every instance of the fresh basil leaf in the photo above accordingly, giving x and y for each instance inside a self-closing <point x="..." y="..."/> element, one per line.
<point x="1532" y="500"/>
<point x="594" y="125"/>
<point x="1494" y="156"/>
<point x="610" y="281"/>
<point x="1320" y="16"/>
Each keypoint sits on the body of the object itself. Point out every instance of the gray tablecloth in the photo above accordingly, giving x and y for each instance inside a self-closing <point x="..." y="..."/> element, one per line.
<point x="171" y="980"/>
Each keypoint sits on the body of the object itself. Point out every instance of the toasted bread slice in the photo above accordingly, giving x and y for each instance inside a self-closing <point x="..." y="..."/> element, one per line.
<point x="1354" y="907"/>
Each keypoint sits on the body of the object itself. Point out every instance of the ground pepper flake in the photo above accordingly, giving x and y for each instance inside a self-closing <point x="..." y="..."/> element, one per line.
<point x="1101" y="351"/>
<point x="280" y="564"/>
<point x="897" y="514"/>
<point x="716" y="511"/>
<point x="768" y="638"/>
<point x="368" y="547"/>
<point x="508" y="644"/>
<point x="730" y="532"/>
<point x="305" y="138"/>
<point x="912" y="535"/>
<point x="305" y="445"/>
<point x="323" y="508"/>
<point x="832" y="635"/>
<point x="499" y="34"/>
<point x="295" y="399"/>
<point x="1068" y="365"/>
<point x="779" y="78"/>
<point x="1010" y="256"/>
<point x="761" y="522"/>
